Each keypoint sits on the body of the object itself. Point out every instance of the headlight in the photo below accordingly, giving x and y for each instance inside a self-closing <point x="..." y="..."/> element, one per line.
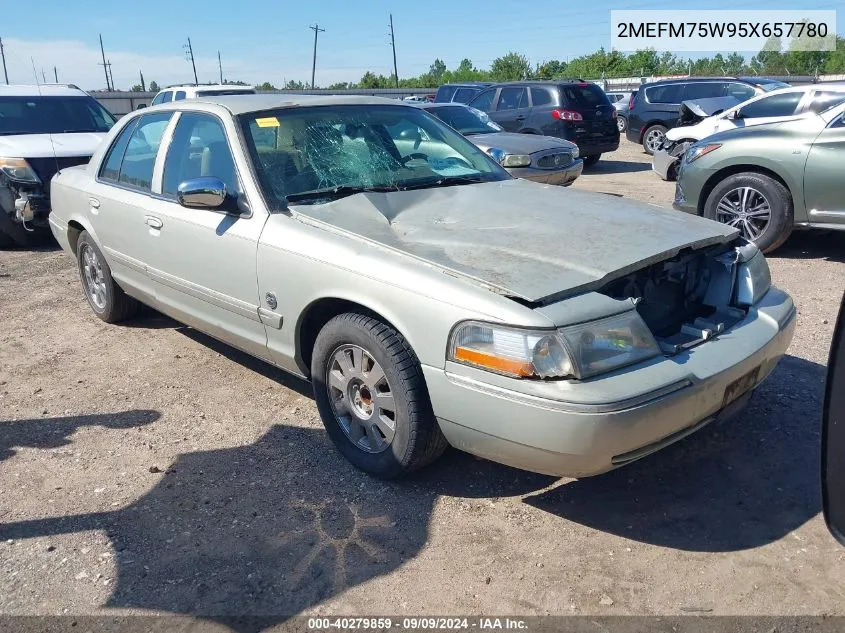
<point x="511" y="351"/>
<point x="18" y="169"/>
<point x="575" y="153"/>
<point x="753" y="278"/>
<point x="607" y="344"/>
<point x="697" y="151"/>
<point x="516" y="160"/>
<point x="577" y="351"/>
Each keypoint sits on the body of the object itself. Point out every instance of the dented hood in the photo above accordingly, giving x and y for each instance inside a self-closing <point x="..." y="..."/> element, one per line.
<point x="519" y="238"/>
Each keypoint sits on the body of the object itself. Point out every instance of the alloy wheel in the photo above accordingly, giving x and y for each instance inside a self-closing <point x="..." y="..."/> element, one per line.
<point x="361" y="398"/>
<point x="654" y="139"/>
<point x="746" y="209"/>
<point x="93" y="278"/>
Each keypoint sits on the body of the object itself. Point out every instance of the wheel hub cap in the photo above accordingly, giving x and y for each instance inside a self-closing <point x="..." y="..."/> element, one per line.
<point x="361" y="398"/>
<point x="93" y="277"/>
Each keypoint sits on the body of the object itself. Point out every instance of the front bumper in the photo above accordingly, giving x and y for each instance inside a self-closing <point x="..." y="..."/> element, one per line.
<point x="662" y="163"/>
<point x="646" y="407"/>
<point x="565" y="176"/>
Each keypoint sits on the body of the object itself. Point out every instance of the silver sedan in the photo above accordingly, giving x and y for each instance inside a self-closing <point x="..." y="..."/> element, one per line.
<point x="545" y="159"/>
<point x="429" y="297"/>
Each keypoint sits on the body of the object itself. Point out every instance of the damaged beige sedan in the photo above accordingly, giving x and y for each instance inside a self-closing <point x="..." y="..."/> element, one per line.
<point x="429" y="297"/>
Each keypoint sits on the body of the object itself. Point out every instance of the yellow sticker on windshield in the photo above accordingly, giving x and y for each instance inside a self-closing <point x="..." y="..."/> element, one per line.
<point x="269" y="121"/>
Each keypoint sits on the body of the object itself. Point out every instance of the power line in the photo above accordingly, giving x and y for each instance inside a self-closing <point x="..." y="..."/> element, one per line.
<point x="316" y="28"/>
<point x="393" y="44"/>
<point x="105" y="67"/>
<point x="189" y="51"/>
<point x="3" y="55"/>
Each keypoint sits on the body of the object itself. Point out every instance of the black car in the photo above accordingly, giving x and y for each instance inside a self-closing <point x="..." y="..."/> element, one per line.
<point x="655" y="107"/>
<point x="460" y="93"/>
<point x="574" y="110"/>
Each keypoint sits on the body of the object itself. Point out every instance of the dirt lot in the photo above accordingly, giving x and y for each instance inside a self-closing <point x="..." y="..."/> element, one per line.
<point x="145" y="468"/>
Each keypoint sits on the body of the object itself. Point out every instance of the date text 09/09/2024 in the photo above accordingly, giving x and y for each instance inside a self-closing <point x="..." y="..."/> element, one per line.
<point x="418" y="623"/>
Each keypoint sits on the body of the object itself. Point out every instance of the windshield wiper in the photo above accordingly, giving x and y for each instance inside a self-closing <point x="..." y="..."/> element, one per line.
<point x="445" y="181"/>
<point x="335" y="193"/>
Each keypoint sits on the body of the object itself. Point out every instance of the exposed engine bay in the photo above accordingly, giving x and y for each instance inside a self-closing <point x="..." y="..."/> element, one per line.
<point x="687" y="299"/>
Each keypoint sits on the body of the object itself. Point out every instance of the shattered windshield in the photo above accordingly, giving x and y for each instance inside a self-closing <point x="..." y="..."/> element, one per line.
<point x="315" y="154"/>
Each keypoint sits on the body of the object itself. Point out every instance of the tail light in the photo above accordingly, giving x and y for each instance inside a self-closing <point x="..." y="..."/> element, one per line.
<point x="567" y="115"/>
<point x="632" y="101"/>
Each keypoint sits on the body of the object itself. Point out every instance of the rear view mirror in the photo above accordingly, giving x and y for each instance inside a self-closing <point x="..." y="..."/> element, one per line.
<point x="202" y="193"/>
<point x="833" y="434"/>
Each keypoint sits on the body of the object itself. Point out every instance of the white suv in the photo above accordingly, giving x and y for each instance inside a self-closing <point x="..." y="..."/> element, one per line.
<point x="192" y="91"/>
<point x="43" y="129"/>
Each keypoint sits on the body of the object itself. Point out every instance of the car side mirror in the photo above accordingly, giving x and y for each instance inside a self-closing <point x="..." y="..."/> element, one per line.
<point x="202" y="193"/>
<point x="833" y="434"/>
<point x="736" y="114"/>
<point x="141" y="106"/>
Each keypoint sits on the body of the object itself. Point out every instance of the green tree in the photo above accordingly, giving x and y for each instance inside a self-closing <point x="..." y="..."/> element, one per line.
<point x="510" y="67"/>
<point x="835" y="63"/>
<point x="266" y="86"/>
<point x="436" y="71"/>
<point x="341" y="85"/>
<point x="154" y="87"/>
<point x="136" y="88"/>
<point x="292" y="84"/>
<point x="550" y="69"/>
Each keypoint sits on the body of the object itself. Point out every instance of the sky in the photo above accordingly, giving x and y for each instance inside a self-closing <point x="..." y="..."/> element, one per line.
<point x="264" y="40"/>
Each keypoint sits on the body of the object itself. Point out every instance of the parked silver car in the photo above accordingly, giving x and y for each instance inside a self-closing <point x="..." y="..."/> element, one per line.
<point x="621" y="102"/>
<point x="430" y="297"/>
<point x="545" y="159"/>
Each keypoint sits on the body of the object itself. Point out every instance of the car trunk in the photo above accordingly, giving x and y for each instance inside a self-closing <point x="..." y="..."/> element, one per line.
<point x="598" y="114"/>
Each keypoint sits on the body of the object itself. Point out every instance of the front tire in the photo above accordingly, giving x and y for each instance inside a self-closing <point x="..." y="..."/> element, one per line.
<point x="653" y="138"/>
<point x="106" y="298"/>
<point x="756" y="204"/>
<point x="372" y="397"/>
<point x="621" y="124"/>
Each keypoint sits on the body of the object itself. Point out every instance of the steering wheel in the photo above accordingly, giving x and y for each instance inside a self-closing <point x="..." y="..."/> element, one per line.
<point x="455" y="160"/>
<point x="419" y="155"/>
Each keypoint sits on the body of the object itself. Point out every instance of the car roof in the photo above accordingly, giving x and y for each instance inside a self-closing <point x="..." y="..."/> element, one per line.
<point x="195" y="87"/>
<point x="241" y="104"/>
<point x="543" y="82"/>
<point x="471" y="84"/>
<point x="678" y="80"/>
<point x="43" y="90"/>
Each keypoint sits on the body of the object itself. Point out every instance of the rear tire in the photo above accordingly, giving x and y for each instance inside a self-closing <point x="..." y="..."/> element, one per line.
<point x="372" y="397"/>
<point x="5" y="240"/>
<point x="753" y="193"/>
<point x="653" y="138"/>
<point x="621" y="124"/>
<point x="591" y="160"/>
<point x="106" y="298"/>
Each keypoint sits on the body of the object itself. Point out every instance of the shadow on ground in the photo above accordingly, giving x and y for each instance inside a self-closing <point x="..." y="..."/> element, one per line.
<point x="615" y="167"/>
<point x="734" y="485"/>
<point x="269" y="529"/>
<point x="811" y="244"/>
<point x="55" y="432"/>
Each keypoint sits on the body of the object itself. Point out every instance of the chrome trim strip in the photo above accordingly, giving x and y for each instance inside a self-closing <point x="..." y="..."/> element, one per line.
<point x="129" y="262"/>
<point x="202" y="293"/>
<point x="270" y="318"/>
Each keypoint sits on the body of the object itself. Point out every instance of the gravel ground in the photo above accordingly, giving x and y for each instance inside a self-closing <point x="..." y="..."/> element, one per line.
<point x="146" y="468"/>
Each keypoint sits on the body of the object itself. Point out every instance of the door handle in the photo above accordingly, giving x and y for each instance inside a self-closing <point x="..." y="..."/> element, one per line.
<point x="95" y="204"/>
<point x="521" y="117"/>
<point x="153" y="222"/>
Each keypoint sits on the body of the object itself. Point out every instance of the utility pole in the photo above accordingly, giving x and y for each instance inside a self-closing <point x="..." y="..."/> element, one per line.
<point x="34" y="72"/>
<point x="3" y="55"/>
<point x="393" y="44"/>
<point x="111" y="75"/>
<point x="43" y="76"/>
<point x="316" y="28"/>
<point x="143" y="85"/>
<point x="105" y="68"/>
<point x="220" y="67"/>
<point x="189" y="50"/>
<point x="56" y="74"/>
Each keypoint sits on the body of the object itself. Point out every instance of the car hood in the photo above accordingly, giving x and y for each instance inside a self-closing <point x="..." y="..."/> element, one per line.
<point x="535" y="242"/>
<point x="40" y="145"/>
<point x="518" y="143"/>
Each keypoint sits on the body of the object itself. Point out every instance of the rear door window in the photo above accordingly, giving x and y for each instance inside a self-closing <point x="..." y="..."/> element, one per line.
<point x="541" y="97"/>
<point x="180" y="94"/>
<point x="484" y="101"/>
<point x="667" y="93"/>
<point x="512" y="98"/>
<point x="110" y="169"/>
<point x="136" y="169"/>
<point x="774" y="106"/>
<point x="703" y="90"/>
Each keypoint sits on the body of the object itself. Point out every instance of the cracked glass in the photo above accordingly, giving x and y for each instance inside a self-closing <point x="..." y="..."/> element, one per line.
<point x="352" y="148"/>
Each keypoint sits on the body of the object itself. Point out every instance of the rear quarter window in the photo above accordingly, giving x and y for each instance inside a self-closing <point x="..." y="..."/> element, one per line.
<point x="668" y="93"/>
<point x="465" y="95"/>
<point x="703" y="90"/>
<point x="444" y="93"/>
<point x="541" y="97"/>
